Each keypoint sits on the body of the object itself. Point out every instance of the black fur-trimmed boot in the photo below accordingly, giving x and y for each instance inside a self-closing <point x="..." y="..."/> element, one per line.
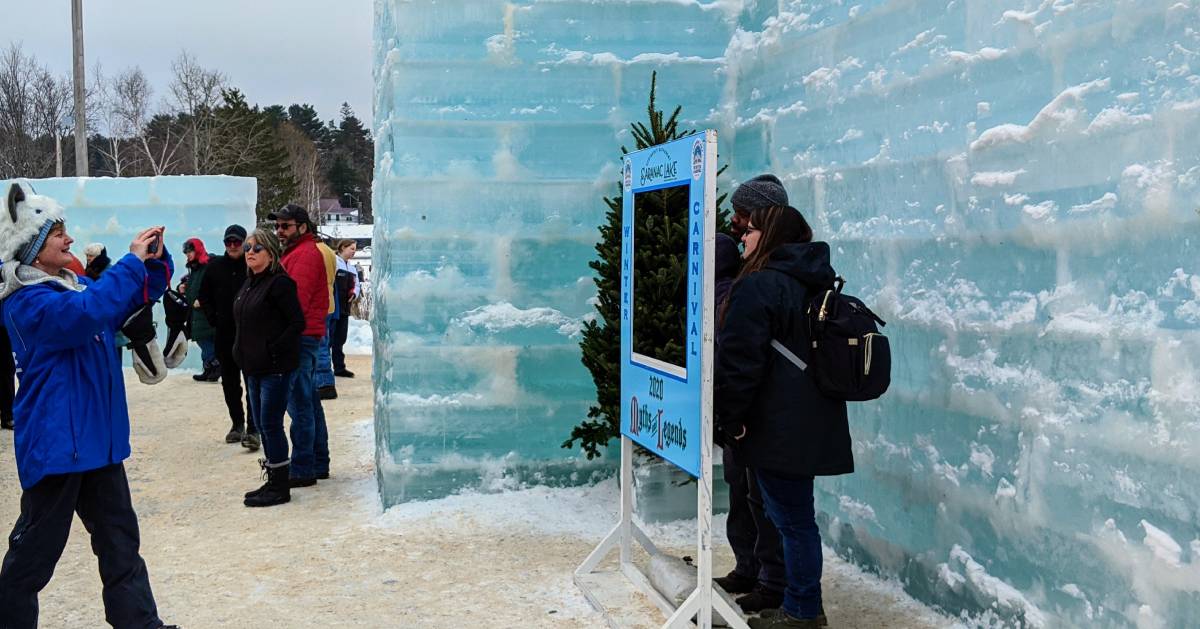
<point x="276" y="491"/>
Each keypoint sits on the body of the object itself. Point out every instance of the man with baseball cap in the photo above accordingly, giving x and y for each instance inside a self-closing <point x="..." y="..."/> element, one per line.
<point x="222" y="280"/>
<point x="762" y="191"/>
<point x="304" y="263"/>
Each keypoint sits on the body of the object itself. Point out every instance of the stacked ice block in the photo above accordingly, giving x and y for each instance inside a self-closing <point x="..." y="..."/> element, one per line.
<point x="112" y="211"/>
<point x="1012" y="184"/>
<point x="499" y="127"/>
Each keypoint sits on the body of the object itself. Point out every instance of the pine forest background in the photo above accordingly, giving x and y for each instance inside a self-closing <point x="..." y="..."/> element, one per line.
<point x="201" y="125"/>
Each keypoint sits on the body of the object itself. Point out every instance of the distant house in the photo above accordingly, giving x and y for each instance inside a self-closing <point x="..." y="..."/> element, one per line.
<point x="332" y="213"/>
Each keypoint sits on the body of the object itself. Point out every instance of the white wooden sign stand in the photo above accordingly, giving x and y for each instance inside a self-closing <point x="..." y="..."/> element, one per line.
<point x="705" y="599"/>
<point x="600" y="586"/>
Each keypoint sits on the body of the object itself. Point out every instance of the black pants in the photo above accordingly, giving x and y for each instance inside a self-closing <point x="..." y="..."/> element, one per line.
<point x="340" y="329"/>
<point x="101" y="498"/>
<point x="231" y="384"/>
<point x="8" y="371"/>
<point x="757" y="546"/>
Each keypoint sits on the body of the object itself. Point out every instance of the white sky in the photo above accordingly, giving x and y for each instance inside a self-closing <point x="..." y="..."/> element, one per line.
<point x="275" y="51"/>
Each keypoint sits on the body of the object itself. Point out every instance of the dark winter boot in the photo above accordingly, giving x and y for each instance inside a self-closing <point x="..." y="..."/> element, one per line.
<point x="263" y="464"/>
<point x="735" y="583"/>
<point x="276" y="491"/>
<point x="6" y="423"/>
<point x="759" y="600"/>
<point x="822" y="621"/>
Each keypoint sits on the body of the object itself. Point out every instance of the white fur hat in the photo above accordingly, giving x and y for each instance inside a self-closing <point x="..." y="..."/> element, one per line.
<point x="26" y="223"/>
<point x="93" y="249"/>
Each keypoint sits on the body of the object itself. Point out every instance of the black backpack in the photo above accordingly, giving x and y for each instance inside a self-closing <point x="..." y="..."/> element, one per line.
<point x="850" y="359"/>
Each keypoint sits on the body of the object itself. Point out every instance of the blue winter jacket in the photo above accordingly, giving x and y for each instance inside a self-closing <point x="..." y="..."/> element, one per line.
<point x="70" y="412"/>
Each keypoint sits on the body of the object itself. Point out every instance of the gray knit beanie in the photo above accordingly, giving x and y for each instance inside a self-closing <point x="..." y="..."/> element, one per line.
<point x="761" y="192"/>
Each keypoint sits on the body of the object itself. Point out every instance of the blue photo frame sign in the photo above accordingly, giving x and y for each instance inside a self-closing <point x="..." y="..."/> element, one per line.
<point x="662" y="400"/>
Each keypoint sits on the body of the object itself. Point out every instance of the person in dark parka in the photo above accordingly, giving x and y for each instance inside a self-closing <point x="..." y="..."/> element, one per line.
<point x="758" y="570"/>
<point x="771" y="414"/>
<point x="222" y="280"/>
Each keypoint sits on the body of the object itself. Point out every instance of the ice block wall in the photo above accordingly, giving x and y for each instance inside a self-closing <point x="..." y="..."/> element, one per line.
<point x="498" y="133"/>
<point x="111" y="211"/>
<point x="1014" y="186"/>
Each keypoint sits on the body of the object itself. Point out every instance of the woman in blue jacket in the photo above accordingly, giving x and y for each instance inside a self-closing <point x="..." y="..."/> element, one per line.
<point x="71" y="418"/>
<point x="771" y="413"/>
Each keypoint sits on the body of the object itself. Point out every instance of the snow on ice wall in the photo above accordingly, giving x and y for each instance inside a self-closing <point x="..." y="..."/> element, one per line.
<point x="1013" y="184"/>
<point x="111" y="211"/>
<point x="498" y="129"/>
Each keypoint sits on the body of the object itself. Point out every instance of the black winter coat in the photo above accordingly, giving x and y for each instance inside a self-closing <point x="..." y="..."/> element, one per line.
<point x="222" y="281"/>
<point x="269" y="322"/>
<point x="791" y="428"/>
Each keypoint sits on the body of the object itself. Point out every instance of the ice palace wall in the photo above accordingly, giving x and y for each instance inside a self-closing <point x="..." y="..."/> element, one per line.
<point x="1013" y="185"/>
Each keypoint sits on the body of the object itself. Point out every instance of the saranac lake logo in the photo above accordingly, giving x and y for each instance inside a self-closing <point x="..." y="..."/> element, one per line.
<point x="658" y="167"/>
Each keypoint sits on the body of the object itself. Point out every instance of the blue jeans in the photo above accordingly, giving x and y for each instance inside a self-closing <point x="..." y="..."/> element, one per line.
<point x="208" y="351"/>
<point x="310" y="435"/>
<point x="268" y="396"/>
<point x="789" y="504"/>
<point x="324" y="357"/>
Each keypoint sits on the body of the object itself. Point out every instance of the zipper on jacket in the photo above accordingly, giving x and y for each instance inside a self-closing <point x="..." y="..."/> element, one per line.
<point x="867" y="363"/>
<point x="821" y="314"/>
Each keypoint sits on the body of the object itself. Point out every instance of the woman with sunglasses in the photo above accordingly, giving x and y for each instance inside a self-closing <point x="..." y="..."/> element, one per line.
<point x="773" y="417"/>
<point x="267" y="347"/>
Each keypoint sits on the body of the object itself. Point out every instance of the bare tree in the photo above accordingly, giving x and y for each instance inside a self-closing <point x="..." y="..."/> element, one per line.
<point x="158" y="144"/>
<point x="196" y="93"/>
<point x="19" y="154"/>
<point x="53" y="105"/>
<point x="112" y="125"/>
<point x="305" y="161"/>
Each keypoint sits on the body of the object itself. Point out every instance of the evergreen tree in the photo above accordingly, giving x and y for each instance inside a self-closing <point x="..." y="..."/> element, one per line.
<point x="660" y="328"/>
<point x="276" y="114"/>
<point x="248" y="145"/>
<point x="352" y="161"/>
<point x="342" y="177"/>
<point x="305" y="117"/>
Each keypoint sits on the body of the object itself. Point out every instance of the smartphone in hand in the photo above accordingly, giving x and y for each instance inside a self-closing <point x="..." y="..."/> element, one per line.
<point x="156" y="245"/>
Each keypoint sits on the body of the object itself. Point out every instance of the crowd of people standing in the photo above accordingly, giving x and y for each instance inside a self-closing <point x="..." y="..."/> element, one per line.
<point x="269" y="312"/>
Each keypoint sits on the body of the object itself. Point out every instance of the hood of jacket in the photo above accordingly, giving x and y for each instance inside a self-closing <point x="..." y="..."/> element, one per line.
<point x="14" y="276"/>
<point x="201" y="253"/>
<point x="807" y="262"/>
<point x="728" y="258"/>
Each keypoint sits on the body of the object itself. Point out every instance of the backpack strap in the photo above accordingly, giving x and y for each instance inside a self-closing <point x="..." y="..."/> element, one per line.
<point x="787" y="353"/>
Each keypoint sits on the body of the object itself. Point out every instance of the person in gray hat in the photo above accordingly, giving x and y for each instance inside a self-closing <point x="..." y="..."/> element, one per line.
<point x="763" y="191"/>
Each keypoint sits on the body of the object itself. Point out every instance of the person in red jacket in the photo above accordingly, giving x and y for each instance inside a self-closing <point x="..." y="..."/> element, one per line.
<point x="306" y="266"/>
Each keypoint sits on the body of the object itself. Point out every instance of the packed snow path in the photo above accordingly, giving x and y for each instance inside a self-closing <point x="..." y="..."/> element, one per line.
<point x="330" y="558"/>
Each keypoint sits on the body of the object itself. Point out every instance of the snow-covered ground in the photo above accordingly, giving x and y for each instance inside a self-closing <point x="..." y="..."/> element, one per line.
<point x="333" y="558"/>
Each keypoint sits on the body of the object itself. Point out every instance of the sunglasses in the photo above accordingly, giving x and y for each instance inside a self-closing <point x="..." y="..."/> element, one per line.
<point x="256" y="248"/>
<point x="233" y="242"/>
<point x="188" y="248"/>
<point x="285" y="226"/>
